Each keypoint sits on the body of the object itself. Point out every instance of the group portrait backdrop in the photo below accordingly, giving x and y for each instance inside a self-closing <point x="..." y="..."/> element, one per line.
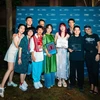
<point x="56" y="15"/>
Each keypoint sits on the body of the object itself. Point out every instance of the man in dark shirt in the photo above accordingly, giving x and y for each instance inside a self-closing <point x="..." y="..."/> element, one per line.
<point x="76" y="49"/>
<point x="71" y="23"/>
<point x="29" y="22"/>
<point x="92" y="57"/>
<point x="42" y="23"/>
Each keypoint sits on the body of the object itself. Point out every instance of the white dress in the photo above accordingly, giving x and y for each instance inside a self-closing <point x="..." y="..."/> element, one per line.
<point x="62" y="58"/>
<point x="12" y="51"/>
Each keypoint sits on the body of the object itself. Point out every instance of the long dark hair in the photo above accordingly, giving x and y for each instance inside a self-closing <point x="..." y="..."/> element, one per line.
<point x="65" y="28"/>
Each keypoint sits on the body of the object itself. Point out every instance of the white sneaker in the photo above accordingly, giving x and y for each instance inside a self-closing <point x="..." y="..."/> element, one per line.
<point x="11" y="84"/>
<point x="36" y="86"/>
<point x="39" y="84"/>
<point x="26" y="85"/>
<point x="22" y="87"/>
<point x="1" y="92"/>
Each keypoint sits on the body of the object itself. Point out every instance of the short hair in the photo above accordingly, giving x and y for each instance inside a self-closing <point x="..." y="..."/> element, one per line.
<point x="28" y="17"/>
<point x="28" y="29"/>
<point x="41" y="20"/>
<point x="39" y="26"/>
<point x="87" y="26"/>
<point x="71" y="19"/>
<point x="76" y="26"/>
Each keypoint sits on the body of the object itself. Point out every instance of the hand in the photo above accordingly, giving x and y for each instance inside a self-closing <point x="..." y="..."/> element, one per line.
<point x="14" y="35"/>
<point x="49" y="55"/>
<point x="97" y="58"/>
<point x="19" y="61"/>
<point x="70" y="50"/>
<point x="33" y="58"/>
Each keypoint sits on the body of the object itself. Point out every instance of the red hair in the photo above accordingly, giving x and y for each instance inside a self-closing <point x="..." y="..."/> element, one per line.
<point x="65" y="28"/>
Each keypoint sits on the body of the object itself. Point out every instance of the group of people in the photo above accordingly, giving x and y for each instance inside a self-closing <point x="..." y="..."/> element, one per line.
<point x="29" y="54"/>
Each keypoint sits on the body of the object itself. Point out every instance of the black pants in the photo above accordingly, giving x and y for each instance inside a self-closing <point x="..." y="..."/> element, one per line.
<point x="93" y="69"/>
<point x="79" y="67"/>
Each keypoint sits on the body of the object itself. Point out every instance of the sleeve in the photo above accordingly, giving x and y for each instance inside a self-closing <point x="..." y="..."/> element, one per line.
<point x="32" y="45"/>
<point x="69" y="42"/>
<point x="97" y="38"/>
<point x="44" y="42"/>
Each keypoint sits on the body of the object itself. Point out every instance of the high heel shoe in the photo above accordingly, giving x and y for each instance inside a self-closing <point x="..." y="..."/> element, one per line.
<point x="1" y="92"/>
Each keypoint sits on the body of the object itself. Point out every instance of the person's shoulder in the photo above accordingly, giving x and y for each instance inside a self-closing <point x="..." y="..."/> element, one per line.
<point x="44" y="35"/>
<point x="52" y="34"/>
<point x="71" y="37"/>
<point x="94" y="34"/>
<point x="84" y="35"/>
<point x="33" y="27"/>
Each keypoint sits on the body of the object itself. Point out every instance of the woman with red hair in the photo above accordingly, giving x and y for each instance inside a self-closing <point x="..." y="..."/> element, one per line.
<point x="61" y="39"/>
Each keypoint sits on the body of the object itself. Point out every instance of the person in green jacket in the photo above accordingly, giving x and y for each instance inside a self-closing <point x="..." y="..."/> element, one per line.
<point x="49" y="65"/>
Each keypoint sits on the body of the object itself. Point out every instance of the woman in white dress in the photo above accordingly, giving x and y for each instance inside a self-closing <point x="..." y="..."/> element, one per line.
<point x="61" y="39"/>
<point x="10" y="57"/>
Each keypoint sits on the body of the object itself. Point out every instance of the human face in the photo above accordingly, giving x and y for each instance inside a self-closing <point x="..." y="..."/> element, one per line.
<point x="62" y="28"/>
<point x="39" y="31"/>
<point x="88" y="31"/>
<point x="21" y="29"/>
<point x="49" y="29"/>
<point x="30" y="33"/>
<point x="42" y="23"/>
<point x="77" y="31"/>
<point x="71" y="23"/>
<point x="29" y="22"/>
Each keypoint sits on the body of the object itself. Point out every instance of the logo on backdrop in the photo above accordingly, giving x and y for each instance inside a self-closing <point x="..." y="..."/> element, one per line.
<point x="55" y="15"/>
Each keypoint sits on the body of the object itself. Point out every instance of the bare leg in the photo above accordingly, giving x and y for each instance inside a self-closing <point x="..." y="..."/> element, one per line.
<point x="22" y="77"/>
<point x="9" y="70"/>
<point x="96" y="89"/>
<point x="92" y="86"/>
<point x="11" y="76"/>
<point x="22" y="85"/>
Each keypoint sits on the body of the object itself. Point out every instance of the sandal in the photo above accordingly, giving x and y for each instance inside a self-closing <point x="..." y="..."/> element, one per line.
<point x="59" y="84"/>
<point x="91" y="91"/>
<point x="64" y="83"/>
<point x="95" y="92"/>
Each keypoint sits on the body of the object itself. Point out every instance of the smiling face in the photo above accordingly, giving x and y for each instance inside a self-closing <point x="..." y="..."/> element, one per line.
<point x="21" y="29"/>
<point x="88" y="30"/>
<point x="30" y="33"/>
<point x="29" y="22"/>
<point x="62" y="28"/>
<point x="39" y="31"/>
<point x="49" y="29"/>
<point x="42" y="23"/>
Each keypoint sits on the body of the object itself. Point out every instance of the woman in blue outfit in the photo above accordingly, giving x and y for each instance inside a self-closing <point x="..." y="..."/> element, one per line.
<point x="22" y="60"/>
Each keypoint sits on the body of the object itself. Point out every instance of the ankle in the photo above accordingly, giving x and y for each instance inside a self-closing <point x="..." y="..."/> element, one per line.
<point x="95" y="89"/>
